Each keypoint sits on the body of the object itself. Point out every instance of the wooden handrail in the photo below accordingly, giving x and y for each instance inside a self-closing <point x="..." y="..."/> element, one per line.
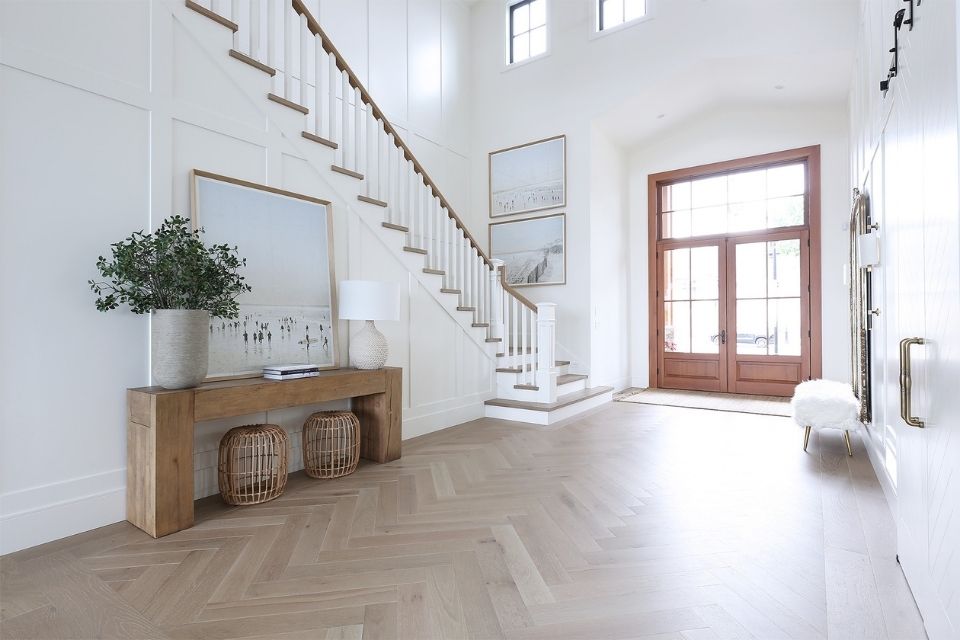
<point x="329" y="47"/>
<point x="519" y="296"/>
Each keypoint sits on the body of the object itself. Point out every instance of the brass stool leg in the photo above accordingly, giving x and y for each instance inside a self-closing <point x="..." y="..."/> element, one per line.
<point x="846" y="439"/>
<point x="806" y="437"/>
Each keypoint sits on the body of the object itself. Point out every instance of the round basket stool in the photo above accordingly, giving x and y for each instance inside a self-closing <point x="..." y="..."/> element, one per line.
<point x="331" y="444"/>
<point x="253" y="464"/>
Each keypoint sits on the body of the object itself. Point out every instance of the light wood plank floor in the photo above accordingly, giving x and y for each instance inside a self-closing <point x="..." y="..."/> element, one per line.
<point x="636" y="521"/>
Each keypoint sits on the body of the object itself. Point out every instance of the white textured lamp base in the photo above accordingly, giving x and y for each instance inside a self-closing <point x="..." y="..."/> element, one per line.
<point x="368" y="349"/>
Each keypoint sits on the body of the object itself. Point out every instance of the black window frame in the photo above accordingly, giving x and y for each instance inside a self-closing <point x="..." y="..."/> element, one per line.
<point x="510" y="36"/>
<point x="600" y="26"/>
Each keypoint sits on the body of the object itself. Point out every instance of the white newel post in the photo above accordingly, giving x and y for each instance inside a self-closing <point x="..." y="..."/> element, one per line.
<point x="547" y="348"/>
<point x="496" y="300"/>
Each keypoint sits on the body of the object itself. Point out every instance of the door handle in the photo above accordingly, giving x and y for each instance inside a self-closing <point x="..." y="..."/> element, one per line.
<point x="906" y="382"/>
<point x="723" y="336"/>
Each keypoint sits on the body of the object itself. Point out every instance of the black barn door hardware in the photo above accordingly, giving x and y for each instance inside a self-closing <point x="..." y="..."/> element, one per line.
<point x="909" y="20"/>
<point x="892" y="73"/>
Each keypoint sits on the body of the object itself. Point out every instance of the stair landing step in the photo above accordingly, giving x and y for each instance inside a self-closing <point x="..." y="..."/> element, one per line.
<point x="567" y="378"/>
<point x="563" y="401"/>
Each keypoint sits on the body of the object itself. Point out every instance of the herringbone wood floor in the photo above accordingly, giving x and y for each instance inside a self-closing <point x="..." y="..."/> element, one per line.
<point x="636" y="521"/>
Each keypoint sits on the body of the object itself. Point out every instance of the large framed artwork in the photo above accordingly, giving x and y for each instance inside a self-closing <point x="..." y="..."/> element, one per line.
<point x="289" y="317"/>
<point x="529" y="177"/>
<point x="534" y="250"/>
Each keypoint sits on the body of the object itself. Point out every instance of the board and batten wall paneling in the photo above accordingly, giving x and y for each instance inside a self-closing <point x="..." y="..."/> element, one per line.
<point x="100" y="133"/>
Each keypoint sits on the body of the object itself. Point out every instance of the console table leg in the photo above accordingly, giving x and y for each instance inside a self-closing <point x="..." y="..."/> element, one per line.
<point x="160" y="461"/>
<point x="380" y="418"/>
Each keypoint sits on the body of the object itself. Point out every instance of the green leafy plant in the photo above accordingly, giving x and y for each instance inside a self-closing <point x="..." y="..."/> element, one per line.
<point x="171" y="269"/>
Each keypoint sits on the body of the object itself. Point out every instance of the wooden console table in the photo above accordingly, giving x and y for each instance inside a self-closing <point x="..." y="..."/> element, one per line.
<point x="160" y="431"/>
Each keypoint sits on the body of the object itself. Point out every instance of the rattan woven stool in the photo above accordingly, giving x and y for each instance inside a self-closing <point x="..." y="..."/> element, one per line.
<point x="253" y="464"/>
<point x="331" y="444"/>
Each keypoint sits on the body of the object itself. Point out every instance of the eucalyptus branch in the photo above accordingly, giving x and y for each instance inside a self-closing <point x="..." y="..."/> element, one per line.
<point x="170" y="269"/>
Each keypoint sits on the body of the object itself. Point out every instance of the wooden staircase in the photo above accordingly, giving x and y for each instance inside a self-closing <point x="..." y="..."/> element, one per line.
<point x="348" y="136"/>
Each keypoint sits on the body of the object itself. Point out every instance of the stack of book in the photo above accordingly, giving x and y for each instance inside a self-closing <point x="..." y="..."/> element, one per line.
<point x="291" y="371"/>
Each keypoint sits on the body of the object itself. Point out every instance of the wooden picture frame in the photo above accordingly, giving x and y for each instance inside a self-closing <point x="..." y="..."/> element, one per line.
<point x="523" y="178"/>
<point x="533" y="267"/>
<point x="290" y="265"/>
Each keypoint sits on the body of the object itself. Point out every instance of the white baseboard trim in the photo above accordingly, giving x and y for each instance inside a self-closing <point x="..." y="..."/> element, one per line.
<point x="421" y="422"/>
<point x="53" y="511"/>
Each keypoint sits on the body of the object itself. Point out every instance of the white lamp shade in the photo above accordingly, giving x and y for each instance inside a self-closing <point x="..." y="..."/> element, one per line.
<point x="368" y="300"/>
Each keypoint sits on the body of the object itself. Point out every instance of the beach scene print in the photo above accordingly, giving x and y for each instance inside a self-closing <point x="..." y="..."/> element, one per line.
<point x="263" y="335"/>
<point x="532" y="250"/>
<point x="527" y="178"/>
<point x="286" y="317"/>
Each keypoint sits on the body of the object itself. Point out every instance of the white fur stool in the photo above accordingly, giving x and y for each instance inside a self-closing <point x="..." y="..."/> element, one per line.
<point x="822" y="404"/>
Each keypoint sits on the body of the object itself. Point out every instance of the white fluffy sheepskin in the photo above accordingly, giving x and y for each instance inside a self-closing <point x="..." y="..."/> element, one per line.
<point x="823" y="404"/>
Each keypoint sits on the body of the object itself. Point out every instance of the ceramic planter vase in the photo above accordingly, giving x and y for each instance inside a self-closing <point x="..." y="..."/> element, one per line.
<point x="179" y="347"/>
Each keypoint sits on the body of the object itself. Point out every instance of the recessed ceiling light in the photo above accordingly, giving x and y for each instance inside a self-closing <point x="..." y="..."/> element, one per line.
<point x="778" y="87"/>
<point x="661" y="116"/>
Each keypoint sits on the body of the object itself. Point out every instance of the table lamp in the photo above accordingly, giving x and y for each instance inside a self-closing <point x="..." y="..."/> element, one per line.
<point x="368" y="300"/>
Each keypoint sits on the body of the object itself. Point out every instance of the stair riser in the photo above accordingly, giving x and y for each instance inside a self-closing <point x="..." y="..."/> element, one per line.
<point x="546" y="418"/>
<point x="570" y="387"/>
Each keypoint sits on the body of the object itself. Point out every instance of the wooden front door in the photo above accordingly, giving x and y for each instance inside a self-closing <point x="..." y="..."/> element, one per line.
<point x="735" y="275"/>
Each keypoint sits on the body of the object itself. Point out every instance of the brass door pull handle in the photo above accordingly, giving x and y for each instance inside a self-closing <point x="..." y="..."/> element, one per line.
<point x="906" y="382"/>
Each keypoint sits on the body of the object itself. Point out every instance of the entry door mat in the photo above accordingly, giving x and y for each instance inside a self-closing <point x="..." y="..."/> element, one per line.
<point x="738" y="403"/>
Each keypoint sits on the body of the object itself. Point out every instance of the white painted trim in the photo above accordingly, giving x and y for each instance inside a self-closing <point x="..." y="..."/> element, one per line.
<point x="48" y="512"/>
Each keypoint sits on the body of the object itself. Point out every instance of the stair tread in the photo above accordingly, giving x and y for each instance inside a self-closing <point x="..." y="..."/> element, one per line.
<point x="395" y="227"/>
<point x="563" y="401"/>
<point x="415" y="250"/>
<point x="456" y="291"/>
<point x="567" y="378"/>
<point x="527" y="387"/>
<point x="315" y="138"/>
<point x="373" y="201"/>
<point x="256" y="64"/>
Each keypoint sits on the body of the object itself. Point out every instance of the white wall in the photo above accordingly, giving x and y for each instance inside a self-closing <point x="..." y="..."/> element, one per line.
<point x="609" y="264"/>
<point x="692" y="55"/>
<point x="731" y="133"/>
<point x="104" y="109"/>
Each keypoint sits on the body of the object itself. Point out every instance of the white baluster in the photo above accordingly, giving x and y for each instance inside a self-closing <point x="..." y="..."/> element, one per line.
<point x="319" y="87"/>
<point x="389" y="153"/>
<point x="412" y="206"/>
<point x="304" y="59"/>
<point x="496" y="299"/>
<point x="357" y="129"/>
<point x="332" y="99"/>
<point x="255" y="29"/>
<point x="344" y="119"/>
<point x="287" y="15"/>
<point x="371" y="153"/>
<point x="272" y="44"/>
<point x="235" y="16"/>
<point x="524" y="342"/>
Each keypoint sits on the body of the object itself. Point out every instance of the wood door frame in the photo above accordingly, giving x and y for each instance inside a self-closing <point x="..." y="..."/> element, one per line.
<point x="810" y="155"/>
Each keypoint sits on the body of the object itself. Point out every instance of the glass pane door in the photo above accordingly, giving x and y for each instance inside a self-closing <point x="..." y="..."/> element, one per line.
<point x="690" y="315"/>
<point x="769" y="303"/>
